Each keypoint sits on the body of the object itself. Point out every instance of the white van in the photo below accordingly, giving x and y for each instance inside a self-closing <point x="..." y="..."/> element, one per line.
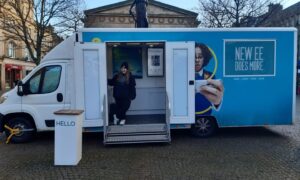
<point x="251" y="62"/>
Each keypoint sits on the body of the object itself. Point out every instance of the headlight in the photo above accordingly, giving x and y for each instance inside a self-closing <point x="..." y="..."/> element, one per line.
<point x="2" y="99"/>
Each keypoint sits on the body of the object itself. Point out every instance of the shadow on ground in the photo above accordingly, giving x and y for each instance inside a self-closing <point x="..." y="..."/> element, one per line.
<point x="240" y="132"/>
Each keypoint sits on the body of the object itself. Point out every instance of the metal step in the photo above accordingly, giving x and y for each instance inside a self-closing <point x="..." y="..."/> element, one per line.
<point x="136" y="139"/>
<point x="138" y="133"/>
<point x="141" y="129"/>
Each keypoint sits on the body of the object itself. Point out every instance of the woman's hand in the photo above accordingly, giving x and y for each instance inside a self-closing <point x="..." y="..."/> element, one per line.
<point x="213" y="91"/>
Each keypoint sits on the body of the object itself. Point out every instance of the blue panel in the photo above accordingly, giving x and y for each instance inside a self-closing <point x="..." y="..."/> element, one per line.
<point x="249" y="58"/>
<point x="180" y="82"/>
<point x="247" y="101"/>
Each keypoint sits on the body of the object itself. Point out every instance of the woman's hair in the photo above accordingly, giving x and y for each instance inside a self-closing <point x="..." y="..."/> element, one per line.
<point x="205" y="53"/>
<point x="125" y="64"/>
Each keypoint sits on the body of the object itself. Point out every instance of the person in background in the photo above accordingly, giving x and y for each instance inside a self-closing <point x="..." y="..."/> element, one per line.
<point x="123" y="91"/>
<point x="211" y="94"/>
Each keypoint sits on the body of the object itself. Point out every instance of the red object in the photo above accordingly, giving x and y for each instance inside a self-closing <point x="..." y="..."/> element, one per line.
<point x="12" y="66"/>
<point x="18" y="76"/>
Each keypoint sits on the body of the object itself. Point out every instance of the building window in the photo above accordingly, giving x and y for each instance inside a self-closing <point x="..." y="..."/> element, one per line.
<point x="11" y="50"/>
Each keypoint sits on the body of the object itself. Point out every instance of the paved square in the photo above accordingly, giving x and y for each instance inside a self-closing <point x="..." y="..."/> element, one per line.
<point x="234" y="153"/>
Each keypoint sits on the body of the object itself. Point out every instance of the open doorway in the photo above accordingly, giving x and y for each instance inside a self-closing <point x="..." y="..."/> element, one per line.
<point x="147" y="64"/>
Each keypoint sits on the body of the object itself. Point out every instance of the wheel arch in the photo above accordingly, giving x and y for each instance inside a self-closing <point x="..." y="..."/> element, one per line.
<point x="202" y="128"/>
<point x="215" y="120"/>
<point x="210" y="117"/>
<point x="21" y="114"/>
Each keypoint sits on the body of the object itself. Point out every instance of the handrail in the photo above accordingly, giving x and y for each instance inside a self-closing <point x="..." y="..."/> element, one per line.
<point x="168" y="116"/>
<point x="103" y="111"/>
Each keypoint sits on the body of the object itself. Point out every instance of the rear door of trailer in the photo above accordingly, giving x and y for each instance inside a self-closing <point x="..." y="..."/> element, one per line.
<point x="180" y="76"/>
<point x="91" y="82"/>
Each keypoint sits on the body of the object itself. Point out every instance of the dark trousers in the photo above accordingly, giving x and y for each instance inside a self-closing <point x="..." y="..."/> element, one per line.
<point x="120" y="108"/>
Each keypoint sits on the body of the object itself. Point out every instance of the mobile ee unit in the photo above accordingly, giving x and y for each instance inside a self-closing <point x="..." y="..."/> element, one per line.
<point x="256" y="66"/>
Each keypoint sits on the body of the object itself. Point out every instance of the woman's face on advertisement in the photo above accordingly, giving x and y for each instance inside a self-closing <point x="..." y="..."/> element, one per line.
<point x="198" y="59"/>
<point x="124" y="70"/>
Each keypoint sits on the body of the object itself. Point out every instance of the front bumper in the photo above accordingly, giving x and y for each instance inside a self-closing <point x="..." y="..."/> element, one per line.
<point x="1" y="122"/>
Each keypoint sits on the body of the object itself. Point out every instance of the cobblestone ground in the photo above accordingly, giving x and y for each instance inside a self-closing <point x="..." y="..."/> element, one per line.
<point x="235" y="153"/>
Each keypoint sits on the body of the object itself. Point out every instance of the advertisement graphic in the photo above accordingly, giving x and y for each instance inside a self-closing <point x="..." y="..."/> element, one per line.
<point x="209" y="91"/>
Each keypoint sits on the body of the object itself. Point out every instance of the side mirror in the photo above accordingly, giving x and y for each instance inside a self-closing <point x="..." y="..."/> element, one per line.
<point x="20" y="88"/>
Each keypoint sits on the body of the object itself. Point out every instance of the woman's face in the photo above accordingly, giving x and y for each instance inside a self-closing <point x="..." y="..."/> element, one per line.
<point x="198" y="59"/>
<point x="123" y="70"/>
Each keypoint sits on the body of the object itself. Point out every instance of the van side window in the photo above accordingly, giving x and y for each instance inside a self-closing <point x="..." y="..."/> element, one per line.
<point x="34" y="82"/>
<point x="51" y="79"/>
<point x="46" y="80"/>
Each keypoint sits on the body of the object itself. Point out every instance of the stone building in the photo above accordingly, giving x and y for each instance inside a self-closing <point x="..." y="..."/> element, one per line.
<point x="15" y="61"/>
<point x="279" y="17"/>
<point x="160" y="15"/>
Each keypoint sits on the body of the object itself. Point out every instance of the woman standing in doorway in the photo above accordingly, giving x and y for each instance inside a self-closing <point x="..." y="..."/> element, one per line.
<point x="124" y="92"/>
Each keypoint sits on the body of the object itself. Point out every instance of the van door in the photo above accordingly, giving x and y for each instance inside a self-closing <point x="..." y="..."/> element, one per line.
<point x="180" y="76"/>
<point x="91" y="82"/>
<point x="46" y="94"/>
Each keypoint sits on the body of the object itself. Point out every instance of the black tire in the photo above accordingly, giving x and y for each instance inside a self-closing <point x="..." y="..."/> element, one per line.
<point x="21" y="123"/>
<point x="204" y="127"/>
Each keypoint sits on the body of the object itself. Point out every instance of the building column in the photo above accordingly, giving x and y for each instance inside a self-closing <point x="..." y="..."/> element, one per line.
<point x="3" y="77"/>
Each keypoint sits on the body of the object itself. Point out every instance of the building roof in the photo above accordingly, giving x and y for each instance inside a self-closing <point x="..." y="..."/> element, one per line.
<point x="274" y="17"/>
<point x="291" y="10"/>
<point x="129" y="2"/>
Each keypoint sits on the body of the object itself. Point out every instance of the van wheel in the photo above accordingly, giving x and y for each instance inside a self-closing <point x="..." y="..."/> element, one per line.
<point x="204" y="127"/>
<point x="22" y="124"/>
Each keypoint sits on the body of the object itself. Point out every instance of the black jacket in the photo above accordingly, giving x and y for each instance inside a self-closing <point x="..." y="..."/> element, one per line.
<point x="123" y="90"/>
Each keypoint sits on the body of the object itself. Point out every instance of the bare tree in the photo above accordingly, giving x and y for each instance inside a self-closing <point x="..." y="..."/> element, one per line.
<point x="232" y="13"/>
<point x="30" y="21"/>
<point x="72" y="19"/>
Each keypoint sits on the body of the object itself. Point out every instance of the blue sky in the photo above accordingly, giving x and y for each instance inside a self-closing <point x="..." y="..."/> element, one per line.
<point x="185" y="4"/>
